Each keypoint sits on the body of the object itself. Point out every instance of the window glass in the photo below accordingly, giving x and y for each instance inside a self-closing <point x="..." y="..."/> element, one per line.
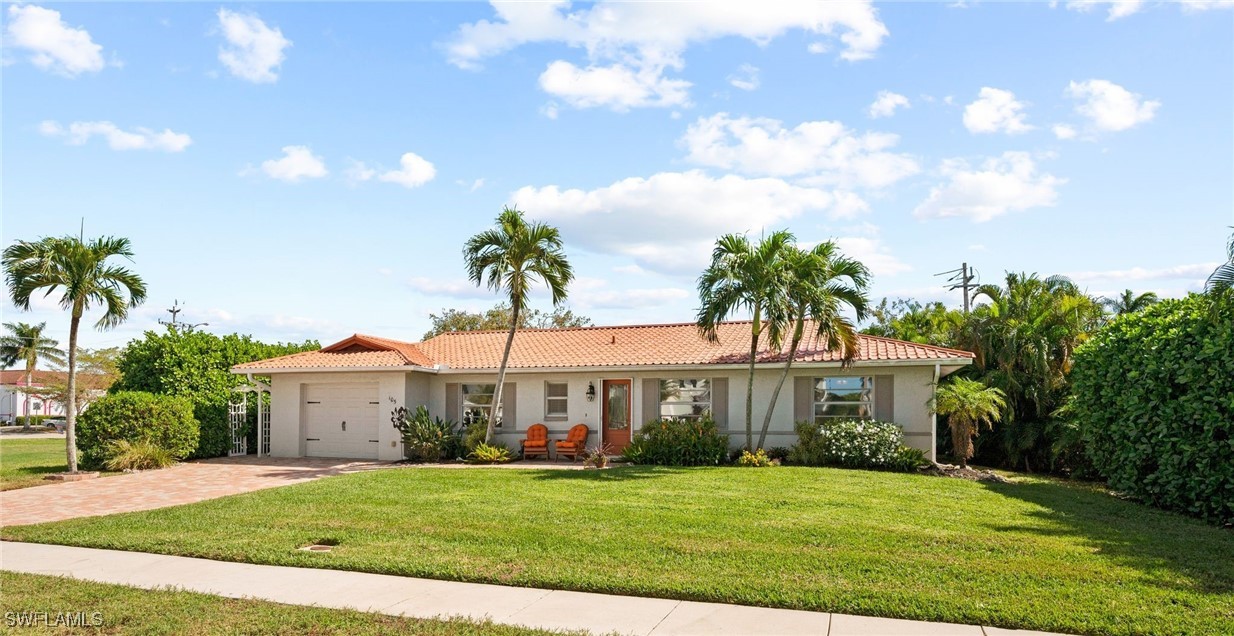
<point x="556" y="399"/>
<point x="685" y="398"/>
<point x="843" y="398"/>
<point x="477" y="402"/>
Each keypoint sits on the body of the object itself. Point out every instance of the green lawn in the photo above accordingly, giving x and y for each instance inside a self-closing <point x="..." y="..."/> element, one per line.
<point x="24" y="462"/>
<point x="1035" y="554"/>
<point x="128" y="610"/>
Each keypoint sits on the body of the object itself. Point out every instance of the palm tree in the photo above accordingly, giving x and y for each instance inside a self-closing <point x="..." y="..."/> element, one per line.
<point x="968" y="404"/>
<point x="1128" y="302"/>
<point x="1222" y="278"/>
<point x="821" y="282"/>
<point x="26" y="343"/>
<point x="80" y="270"/>
<point x="749" y="277"/>
<point x="509" y="259"/>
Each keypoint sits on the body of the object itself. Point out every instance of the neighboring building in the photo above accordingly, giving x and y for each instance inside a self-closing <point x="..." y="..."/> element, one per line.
<point x="337" y="402"/>
<point x="13" y="401"/>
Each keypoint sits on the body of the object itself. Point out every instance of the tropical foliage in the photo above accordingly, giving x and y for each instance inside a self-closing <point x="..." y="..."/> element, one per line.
<point x="96" y="372"/>
<point x="123" y="454"/>
<point x="510" y="259"/>
<point x="968" y="405"/>
<point x="81" y="273"/>
<point x="1154" y="400"/>
<point x="1128" y="302"/>
<point x="161" y="420"/>
<point x="426" y="438"/>
<point x="26" y="344"/>
<point x="853" y="444"/>
<point x="196" y="365"/>
<point x="490" y="454"/>
<point x="500" y="316"/>
<point x="1222" y="278"/>
<point x="678" y="442"/>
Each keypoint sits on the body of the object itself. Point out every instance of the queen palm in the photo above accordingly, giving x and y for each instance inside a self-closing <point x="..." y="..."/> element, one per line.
<point x="968" y="404"/>
<point x="510" y="259"/>
<point x="1222" y="278"/>
<point x="26" y="343"/>
<point x="1128" y="302"/>
<point x="745" y="276"/>
<point x="819" y="285"/>
<point x="79" y="271"/>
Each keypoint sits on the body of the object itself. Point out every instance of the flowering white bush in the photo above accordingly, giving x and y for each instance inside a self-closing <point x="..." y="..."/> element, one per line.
<point x="852" y="444"/>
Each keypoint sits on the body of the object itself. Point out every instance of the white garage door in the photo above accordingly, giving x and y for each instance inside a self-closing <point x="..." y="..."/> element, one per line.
<point x="341" y="420"/>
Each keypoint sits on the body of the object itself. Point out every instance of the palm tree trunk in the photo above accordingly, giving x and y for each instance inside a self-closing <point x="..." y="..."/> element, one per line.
<point x="70" y="427"/>
<point x="754" y="334"/>
<point x="26" y="402"/>
<point x="798" y="333"/>
<point x="495" y="415"/>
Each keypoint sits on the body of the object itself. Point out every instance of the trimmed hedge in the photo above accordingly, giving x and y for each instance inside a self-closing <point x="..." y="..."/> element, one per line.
<point x="854" y="444"/>
<point x="673" y="442"/>
<point x="1154" y="399"/>
<point x="136" y="416"/>
<point x="35" y="420"/>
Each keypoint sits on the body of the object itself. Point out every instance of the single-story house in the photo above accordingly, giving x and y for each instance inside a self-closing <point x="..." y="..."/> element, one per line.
<point x="338" y="401"/>
<point x="15" y="401"/>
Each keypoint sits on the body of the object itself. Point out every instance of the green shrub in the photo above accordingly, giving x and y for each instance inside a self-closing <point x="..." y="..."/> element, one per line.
<point x="851" y="444"/>
<point x="490" y="454"/>
<point x="425" y="438"/>
<point x="162" y="420"/>
<point x="474" y="434"/>
<point x="758" y="459"/>
<point x="1154" y="399"/>
<point x="34" y="420"/>
<point x="907" y="459"/>
<point x="214" y="423"/>
<point x="123" y="454"/>
<point x="672" y="442"/>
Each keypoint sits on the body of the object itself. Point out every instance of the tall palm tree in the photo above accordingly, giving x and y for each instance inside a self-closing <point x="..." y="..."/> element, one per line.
<point x="968" y="404"/>
<point x="821" y="282"/>
<point x="26" y="343"/>
<point x="1128" y="302"/>
<point x="744" y="276"/>
<point x="79" y="270"/>
<point x="1222" y="278"/>
<point x="509" y="259"/>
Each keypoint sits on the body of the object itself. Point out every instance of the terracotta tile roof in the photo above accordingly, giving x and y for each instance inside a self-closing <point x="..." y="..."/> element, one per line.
<point x="621" y="346"/>
<point x="39" y="377"/>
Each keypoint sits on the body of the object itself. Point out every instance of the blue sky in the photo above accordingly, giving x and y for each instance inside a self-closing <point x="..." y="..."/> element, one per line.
<point x="312" y="170"/>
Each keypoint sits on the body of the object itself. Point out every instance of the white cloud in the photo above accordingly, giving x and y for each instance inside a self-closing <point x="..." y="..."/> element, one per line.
<point x="668" y="222"/>
<point x="1002" y="184"/>
<point x="886" y="103"/>
<point x="53" y="45"/>
<point x="79" y="132"/>
<point x="415" y="171"/>
<point x="1115" y="8"/>
<point x="1198" y="272"/>
<point x="873" y="254"/>
<point x="597" y="294"/>
<point x="616" y="86"/>
<point x="549" y="110"/>
<point x="1205" y="5"/>
<point x="1063" y="131"/>
<point x="826" y="152"/>
<point x="358" y="172"/>
<point x="818" y="48"/>
<point x="471" y="186"/>
<point x="448" y="288"/>
<point x="746" y="77"/>
<point x="298" y="162"/>
<point x="995" y="110"/>
<point x="253" y="51"/>
<point x="1111" y="107"/>
<point x="629" y="46"/>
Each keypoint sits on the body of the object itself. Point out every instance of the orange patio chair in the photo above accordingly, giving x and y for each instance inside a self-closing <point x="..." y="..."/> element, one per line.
<point x="575" y="443"/>
<point x="536" y="442"/>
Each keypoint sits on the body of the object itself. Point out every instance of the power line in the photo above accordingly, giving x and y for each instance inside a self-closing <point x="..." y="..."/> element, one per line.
<point x="962" y="279"/>
<point x="175" y="311"/>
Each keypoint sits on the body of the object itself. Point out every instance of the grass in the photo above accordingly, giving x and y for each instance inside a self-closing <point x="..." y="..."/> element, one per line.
<point x="24" y="462"/>
<point x="129" y="610"/>
<point x="1037" y="553"/>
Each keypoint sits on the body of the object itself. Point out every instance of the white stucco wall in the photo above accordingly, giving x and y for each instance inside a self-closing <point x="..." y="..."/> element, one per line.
<point x="912" y="390"/>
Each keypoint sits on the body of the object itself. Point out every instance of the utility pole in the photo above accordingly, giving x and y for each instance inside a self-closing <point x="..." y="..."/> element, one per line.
<point x="961" y="279"/>
<point x="174" y="311"/>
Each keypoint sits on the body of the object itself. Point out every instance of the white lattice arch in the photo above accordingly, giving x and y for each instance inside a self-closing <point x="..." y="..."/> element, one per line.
<point x="238" y="418"/>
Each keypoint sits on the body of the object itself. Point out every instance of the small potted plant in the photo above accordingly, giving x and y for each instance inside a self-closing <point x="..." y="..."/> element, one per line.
<point x="597" y="457"/>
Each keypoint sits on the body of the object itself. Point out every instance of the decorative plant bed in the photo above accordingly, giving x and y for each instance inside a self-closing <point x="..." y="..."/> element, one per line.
<point x="78" y="476"/>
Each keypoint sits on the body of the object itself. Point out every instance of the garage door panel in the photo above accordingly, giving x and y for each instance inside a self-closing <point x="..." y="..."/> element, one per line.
<point x="328" y="406"/>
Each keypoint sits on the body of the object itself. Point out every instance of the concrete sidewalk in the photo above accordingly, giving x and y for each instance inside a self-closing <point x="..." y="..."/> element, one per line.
<point x="426" y="598"/>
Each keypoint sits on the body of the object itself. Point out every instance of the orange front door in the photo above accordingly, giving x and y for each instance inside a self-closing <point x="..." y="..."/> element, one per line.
<point x="616" y="414"/>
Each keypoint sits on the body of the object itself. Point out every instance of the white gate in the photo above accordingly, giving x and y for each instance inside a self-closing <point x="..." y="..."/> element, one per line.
<point x="238" y="417"/>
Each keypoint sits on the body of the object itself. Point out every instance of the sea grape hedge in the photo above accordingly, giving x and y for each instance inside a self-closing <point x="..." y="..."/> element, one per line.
<point x="1154" y="399"/>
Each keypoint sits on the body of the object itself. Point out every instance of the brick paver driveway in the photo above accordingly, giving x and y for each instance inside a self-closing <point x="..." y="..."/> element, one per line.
<point x="181" y="484"/>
